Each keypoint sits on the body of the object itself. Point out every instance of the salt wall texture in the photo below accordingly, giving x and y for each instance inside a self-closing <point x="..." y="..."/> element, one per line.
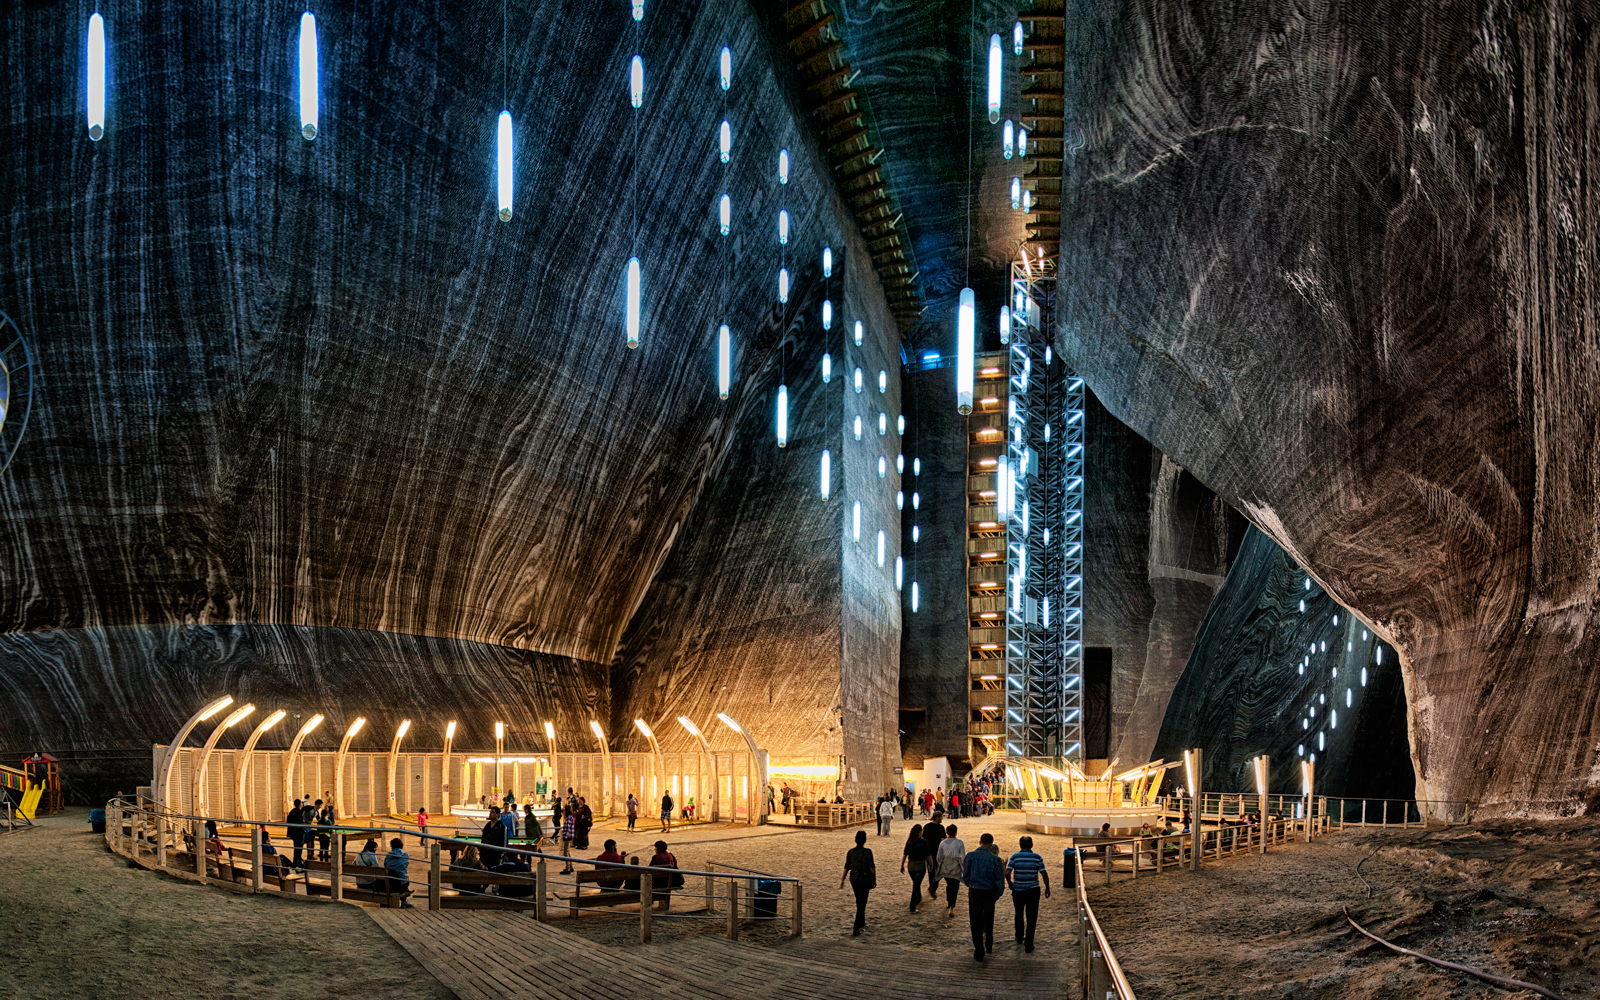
<point x="319" y="385"/>
<point x="1268" y="677"/>
<point x="1338" y="263"/>
<point x="107" y="693"/>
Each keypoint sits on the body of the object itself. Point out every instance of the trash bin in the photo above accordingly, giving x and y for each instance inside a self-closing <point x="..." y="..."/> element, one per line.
<point x="97" y="820"/>
<point x="1069" y="870"/>
<point x="766" y="899"/>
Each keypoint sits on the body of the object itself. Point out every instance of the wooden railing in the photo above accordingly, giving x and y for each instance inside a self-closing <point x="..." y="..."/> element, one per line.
<point x="172" y="842"/>
<point x="1340" y="812"/>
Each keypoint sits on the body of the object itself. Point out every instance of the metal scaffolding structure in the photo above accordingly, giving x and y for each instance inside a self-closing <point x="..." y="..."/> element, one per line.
<point x="1044" y="531"/>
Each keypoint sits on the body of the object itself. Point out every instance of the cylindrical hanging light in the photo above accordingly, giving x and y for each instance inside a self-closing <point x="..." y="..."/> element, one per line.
<point x="636" y="81"/>
<point x="827" y="262"/>
<point x="827" y="368"/>
<point x="724" y="214"/>
<point x="858" y="380"/>
<point x="916" y="501"/>
<point x="994" y="78"/>
<point x="899" y="572"/>
<point x="855" y="522"/>
<point x="916" y="466"/>
<point x="827" y="314"/>
<point x="883" y="386"/>
<point x="1005" y="324"/>
<point x="899" y="500"/>
<point x="503" y="162"/>
<point x="881" y="552"/>
<point x="1022" y="142"/>
<point x="725" y="140"/>
<point x="858" y="427"/>
<point x="783" y="416"/>
<point x="308" y="75"/>
<point x="724" y="361"/>
<point x="964" y="348"/>
<point x="1016" y="193"/>
<point x="783" y="166"/>
<point x="827" y="473"/>
<point x="913" y="595"/>
<point x="633" y="302"/>
<point x="883" y="424"/>
<point x="1003" y="487"/>
<point x="97" y="77"/>
<point x="883" y="466"/>
<point x="783" y="284"/>
<point x="858" y="333"/>
<point x="1016" y="38"/>
<point x="900" y="428"/>
<point x="1006" y="138"/>
<point x="638" y="10"/>
<point x="725" y="68"/>
<point x="1027" y="200"/>
<point x="900" y="464"/>
<point x="783" y="227"/>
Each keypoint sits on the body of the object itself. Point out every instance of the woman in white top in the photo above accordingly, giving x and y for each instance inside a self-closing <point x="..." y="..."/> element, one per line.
<point x="885" y="814"/>
<point x="947" y="865"/>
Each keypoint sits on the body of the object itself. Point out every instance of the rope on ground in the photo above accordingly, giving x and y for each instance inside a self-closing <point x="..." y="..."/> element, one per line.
<point x="1485" y="976"/>
<point x="1362" y="877"/>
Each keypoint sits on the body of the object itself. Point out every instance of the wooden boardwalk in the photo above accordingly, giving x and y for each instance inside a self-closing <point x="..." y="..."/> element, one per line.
<point x="486" y="955"/>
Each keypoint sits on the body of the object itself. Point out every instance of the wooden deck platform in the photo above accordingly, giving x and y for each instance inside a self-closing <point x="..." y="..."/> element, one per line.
<point x="499" y="956"/>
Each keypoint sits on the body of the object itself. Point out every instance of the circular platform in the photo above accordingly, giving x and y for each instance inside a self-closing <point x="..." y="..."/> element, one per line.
<point x="1074" y="821"/>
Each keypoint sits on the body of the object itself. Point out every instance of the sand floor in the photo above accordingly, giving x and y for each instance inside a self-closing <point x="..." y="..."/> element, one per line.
<point x="77" y="922"/>
<point x="1518" y="899"/>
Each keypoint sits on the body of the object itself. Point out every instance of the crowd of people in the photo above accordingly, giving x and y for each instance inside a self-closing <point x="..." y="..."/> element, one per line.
<point x="934" y="853"/>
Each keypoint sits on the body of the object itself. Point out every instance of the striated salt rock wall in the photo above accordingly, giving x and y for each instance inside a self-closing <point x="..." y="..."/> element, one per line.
<point x="1268" y="677"/>
<point x="1338" y="263"/>
<point x="318" y="385"/>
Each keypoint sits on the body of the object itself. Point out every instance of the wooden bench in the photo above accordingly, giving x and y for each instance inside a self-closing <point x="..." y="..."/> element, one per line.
<point x="391" y="900"/>
<point x="472" y="900"/>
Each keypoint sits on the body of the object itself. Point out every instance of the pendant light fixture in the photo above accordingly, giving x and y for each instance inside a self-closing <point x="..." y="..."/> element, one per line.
<point x="725" y="141"/>
<point x="783" y="227"/>
<point x="1016" y="193"/>
<point x="913" y="596"/>
<point x="725" y="68"/>
<point x="827" y="262"/>
<point x="308" y="75"/>
<point x="633" y="302"/>
<point x="1016" y="38"/>
<point x="899" y="572"/>
<point x="783" y="416"/>
<point x="881" y="544"/>
<point x="1027" y="201"/>
<point x="783" y="166"/>
<point x="899" y="500"/>
<point x="638" y="10"/>
<point x="855" y="523"/>
<point x="1006" y="139"/>
<point x="827" y="314"/>
<point x="1005" y="324"/>
<point x="827" y="473"/>
<point x="858" y="333"/>
<point x="827" y="368"/>
<point x="724" y="214"/>
<point x="964" y="351"/>
<point x="96" y="95"/>
<point x="858" y="380"/>
<point x="724" y="361"/>
<point x="636" y="82"/>
<point x="1022" y="142"/>
<point x="503" y="161"/>
<point x="783" y="284"/>
<point x="995" y="57"/>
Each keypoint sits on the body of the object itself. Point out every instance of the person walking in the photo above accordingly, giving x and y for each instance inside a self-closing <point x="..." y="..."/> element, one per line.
<point x="863" y="876"/>
<point x="985" y="876"/>
<point x="666" y="813"/>
<point x="947" y="866"/>
<point x="569" y="830"/>
<point x="633" y="811"/>
<point x="915" y="855"/>
<point x="585" y="819"/>
<point x="1025" y="872"/>
<point x="885" y="814"/>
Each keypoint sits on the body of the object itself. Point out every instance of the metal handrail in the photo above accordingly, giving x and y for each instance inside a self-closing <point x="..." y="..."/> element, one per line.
<point x="1119" y="981"/>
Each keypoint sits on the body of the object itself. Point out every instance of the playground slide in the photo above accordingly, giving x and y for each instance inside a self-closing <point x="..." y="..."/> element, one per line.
<point x="30" y="801"/>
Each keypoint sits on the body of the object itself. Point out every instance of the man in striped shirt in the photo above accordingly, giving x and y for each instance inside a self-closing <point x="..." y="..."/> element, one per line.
<point x="1024" y="873"/>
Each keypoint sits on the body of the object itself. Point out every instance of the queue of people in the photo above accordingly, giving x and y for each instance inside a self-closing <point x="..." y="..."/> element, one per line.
<point x="935" y="853"/>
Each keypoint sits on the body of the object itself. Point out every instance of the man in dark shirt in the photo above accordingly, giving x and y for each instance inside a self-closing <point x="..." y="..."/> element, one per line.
<point x="985" y="877"/>
<point x="494" y="835"/>
<point x="610" y="855"/>
<point x="297" y="836"/>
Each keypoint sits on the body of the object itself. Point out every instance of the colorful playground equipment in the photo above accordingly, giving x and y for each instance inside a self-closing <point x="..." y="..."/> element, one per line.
<point x="42" y="779"/>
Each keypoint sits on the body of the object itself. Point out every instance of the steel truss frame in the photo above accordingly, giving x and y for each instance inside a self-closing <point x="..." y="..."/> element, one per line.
<point x="1044" y="532"/>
